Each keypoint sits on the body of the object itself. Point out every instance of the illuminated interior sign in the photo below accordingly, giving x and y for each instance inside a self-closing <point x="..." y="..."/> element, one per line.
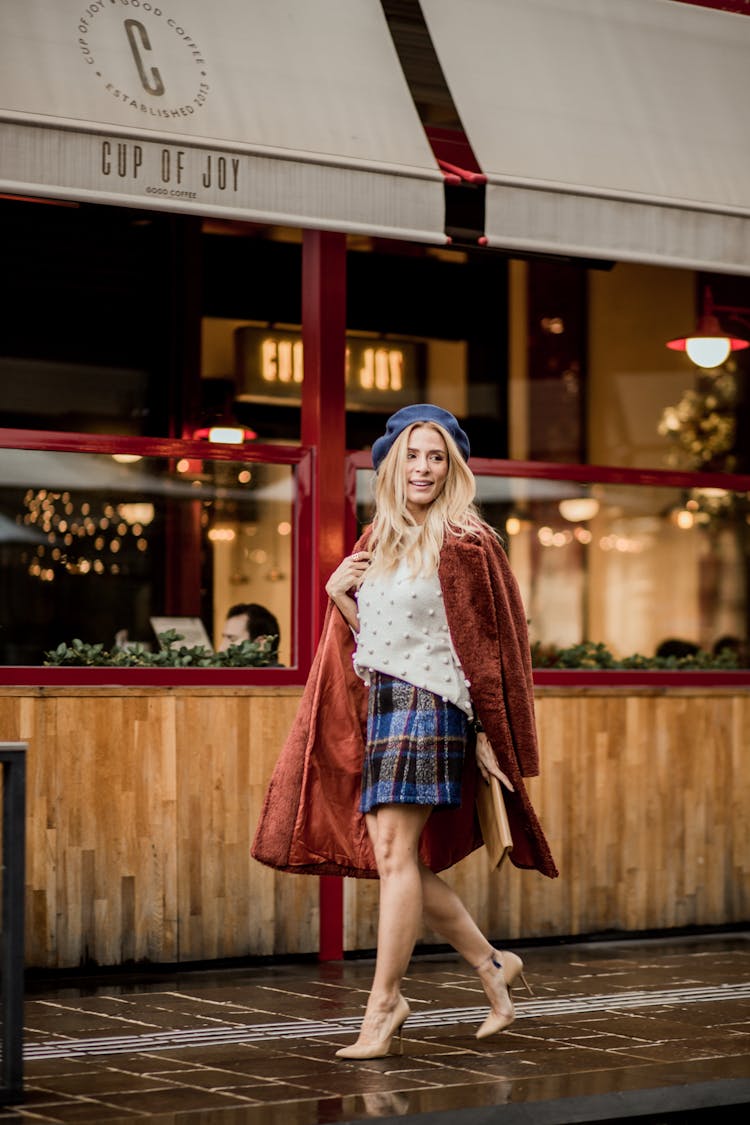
<point x="378" y="373"/>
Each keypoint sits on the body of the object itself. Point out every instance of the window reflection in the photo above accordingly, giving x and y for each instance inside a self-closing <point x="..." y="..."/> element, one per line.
<point x="628" y="566"/>
<point x="94" y="548"/>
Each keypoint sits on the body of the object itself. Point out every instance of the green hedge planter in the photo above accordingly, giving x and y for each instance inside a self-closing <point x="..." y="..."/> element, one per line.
<point x="263" y="654"/>
<point x="589" y="655"/>
<point x="248" y="654"/>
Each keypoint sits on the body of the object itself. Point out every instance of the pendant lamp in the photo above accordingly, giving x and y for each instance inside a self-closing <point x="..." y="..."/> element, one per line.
<point x="709" y="346"/>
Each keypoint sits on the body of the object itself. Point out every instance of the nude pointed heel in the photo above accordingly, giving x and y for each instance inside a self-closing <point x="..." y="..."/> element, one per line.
<point x="384" y="1045"/>
<point x="513" y="969"/>
<point x="509" y="969"/>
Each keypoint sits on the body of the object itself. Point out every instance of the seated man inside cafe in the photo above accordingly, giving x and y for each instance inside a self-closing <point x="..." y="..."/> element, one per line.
<point x="249" y="622"/>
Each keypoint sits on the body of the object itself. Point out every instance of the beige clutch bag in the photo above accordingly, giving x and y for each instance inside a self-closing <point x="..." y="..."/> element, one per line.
<point x="493" y="820"/>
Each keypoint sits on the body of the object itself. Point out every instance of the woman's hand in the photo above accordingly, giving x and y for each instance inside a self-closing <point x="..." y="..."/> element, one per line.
<point x="487" y="762"/>
<point x="348" y="574"/>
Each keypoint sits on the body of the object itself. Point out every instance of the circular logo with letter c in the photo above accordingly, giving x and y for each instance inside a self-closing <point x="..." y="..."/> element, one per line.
<point x="145" y="59"/>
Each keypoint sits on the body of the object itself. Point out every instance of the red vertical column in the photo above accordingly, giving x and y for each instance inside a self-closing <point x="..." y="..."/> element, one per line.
<point x="324" y="429"/>
<point x="183" y="557"/>
<point x="182" y="302"/>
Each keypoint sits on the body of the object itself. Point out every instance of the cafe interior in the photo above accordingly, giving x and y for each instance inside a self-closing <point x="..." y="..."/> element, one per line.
<point x="611" y="464"/>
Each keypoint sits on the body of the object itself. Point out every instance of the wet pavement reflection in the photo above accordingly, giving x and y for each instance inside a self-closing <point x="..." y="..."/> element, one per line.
<point x="256" y="1046"/>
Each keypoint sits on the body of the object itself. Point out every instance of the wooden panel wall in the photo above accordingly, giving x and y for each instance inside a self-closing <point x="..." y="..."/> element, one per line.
<point x="142" y="804"/>
<point x="644" y="797"/>
<point x="141" y="807"/>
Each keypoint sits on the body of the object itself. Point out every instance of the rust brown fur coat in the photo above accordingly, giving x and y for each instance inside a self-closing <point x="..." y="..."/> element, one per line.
<point x="311" y="823"/>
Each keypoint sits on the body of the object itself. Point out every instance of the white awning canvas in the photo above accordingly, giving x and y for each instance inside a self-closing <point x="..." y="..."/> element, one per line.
<point x="607" y="130"/>
<point x="290" y="112"/>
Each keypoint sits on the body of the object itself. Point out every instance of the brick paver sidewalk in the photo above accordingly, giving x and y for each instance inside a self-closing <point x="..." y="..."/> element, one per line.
<point x="610" y="1025"/>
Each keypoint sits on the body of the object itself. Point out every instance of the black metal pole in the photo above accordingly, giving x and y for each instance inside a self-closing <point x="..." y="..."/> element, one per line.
<point x="13" y="758"/>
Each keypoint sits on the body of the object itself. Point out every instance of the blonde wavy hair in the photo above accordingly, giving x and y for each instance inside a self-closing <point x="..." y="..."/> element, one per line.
<point x="395" y="533"/>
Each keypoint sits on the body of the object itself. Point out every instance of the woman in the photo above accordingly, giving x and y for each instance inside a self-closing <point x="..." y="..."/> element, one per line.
<point x="426" y="613"/>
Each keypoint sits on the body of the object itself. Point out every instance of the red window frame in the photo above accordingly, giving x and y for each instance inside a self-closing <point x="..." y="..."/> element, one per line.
<point x="305" y="596"/>
<point x="589" y="474"/>
<point x="303" y="546"/>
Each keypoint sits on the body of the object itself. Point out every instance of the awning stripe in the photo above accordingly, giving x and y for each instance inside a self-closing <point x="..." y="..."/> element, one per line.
<point x="606" y="130"/>
<point x="533" y="221"/>
<point x="285" y="113"/>
<point x="134" y="172"/>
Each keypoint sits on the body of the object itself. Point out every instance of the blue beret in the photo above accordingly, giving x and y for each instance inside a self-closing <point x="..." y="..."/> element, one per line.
<point x="408" y="416"/>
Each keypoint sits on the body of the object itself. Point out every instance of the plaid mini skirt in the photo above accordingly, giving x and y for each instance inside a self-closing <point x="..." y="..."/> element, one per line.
<point x="415" y="747"/>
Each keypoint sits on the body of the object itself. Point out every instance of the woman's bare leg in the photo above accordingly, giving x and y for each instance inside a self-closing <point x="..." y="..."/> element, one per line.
<point x="409" y="891"/>
<point x="394" y="831"/>
<point x="445" y="913"/>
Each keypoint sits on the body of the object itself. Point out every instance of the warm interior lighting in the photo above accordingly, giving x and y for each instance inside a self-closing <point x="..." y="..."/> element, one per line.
<point x="708" y="351"/>
<point x="578" y="508"/>
<point x="139" y="512"/>
<point x="709" y="346"/>
<point x="189" y="465"/>
<point x="126" y="458"/>
<point x="225" y="434"/>
<point x="684" y="519"/>
<point x="708" y="493"/>
<point x="513" y="525"/>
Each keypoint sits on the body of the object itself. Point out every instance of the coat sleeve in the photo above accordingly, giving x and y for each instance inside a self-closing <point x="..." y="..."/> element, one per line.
<point x="488" y="628"/>
<point x="515" y="658"/>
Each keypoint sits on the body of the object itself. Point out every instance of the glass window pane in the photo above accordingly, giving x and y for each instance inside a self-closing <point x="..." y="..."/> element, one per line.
<point x="94" y="548"/>
<point x="630" y="566"/>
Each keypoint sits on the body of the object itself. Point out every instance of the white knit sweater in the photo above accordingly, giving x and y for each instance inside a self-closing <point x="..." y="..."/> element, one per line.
<point x="403" y="631"/>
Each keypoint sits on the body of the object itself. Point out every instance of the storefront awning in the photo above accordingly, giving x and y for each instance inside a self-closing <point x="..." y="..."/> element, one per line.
<point x="285" y="112"/>
<point x="606" y="130"/>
